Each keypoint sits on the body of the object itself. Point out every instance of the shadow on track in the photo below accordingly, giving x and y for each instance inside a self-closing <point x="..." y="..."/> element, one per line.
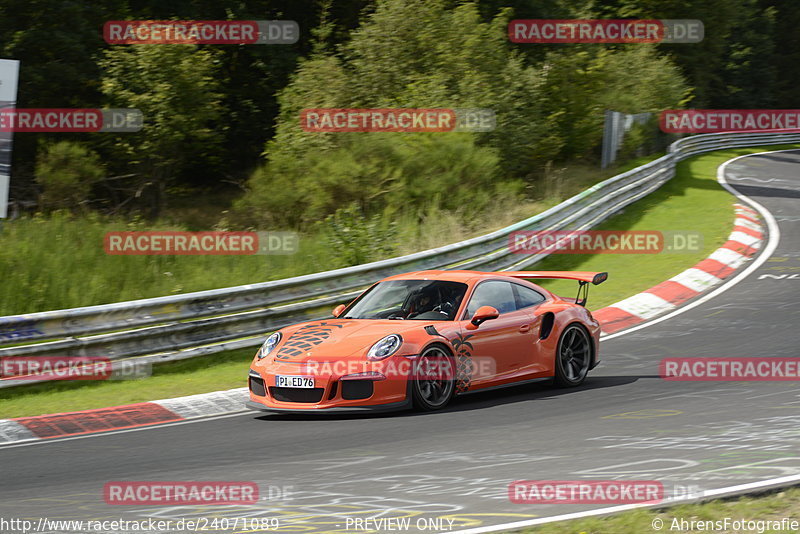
<point x="760" y="191"/>
<point x="780" y="157"/>
<point x="540" y="391"/>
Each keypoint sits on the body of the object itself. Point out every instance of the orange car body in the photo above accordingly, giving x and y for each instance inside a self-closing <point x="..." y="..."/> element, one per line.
<point x="518" y="345"/>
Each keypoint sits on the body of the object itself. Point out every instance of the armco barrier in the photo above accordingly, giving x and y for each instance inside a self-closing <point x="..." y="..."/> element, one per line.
<point x="205" y="322"/>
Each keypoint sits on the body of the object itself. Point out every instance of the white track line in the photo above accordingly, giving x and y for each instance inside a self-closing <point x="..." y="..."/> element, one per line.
<point x="766" y="253"/>
<point x="775" y="482"/>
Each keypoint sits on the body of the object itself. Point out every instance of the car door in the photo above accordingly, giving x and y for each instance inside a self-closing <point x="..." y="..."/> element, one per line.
<point x="502" y="348"/>
<point x="528" y="300"/>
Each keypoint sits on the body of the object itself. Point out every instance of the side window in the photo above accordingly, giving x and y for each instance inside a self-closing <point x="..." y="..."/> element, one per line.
<point x="495" y="293"/>
<point x="527" y="297"/>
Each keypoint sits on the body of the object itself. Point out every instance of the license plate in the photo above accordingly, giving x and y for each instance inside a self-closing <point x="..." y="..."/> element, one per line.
<point x="294" y="381"/>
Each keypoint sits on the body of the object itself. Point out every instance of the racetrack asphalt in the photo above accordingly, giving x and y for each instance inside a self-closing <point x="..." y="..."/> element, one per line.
<point x="317" y="474"/>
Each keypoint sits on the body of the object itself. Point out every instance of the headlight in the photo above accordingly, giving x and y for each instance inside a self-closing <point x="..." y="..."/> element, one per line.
<point x="269" y="344"/>
<point x="385" y="347"/>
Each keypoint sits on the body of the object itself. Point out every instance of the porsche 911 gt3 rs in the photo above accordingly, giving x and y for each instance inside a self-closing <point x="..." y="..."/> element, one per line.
<point x="419" y="339"/>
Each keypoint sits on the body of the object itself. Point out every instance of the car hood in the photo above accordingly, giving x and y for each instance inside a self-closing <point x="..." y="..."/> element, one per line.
<point x="338" y="338"/>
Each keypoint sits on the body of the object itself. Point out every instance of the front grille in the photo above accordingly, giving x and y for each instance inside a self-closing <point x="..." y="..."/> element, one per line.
<point x="257" y="386"/>
<point x="357" y="389"/>
<point x="296" y="394"/>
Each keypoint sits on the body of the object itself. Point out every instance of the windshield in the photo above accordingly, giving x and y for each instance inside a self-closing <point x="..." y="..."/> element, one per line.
<point x="428" y="300"/>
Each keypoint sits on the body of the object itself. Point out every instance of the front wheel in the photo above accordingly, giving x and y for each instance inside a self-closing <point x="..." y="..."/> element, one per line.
<point x="573" y="356"/>
<point x="433" y="380"/>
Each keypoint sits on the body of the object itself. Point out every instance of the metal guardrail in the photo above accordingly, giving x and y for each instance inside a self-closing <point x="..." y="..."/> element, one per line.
<point x="204" y="322"/>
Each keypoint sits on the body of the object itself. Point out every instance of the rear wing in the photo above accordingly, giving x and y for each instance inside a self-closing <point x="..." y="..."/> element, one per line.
<point x="584" y="278"/>
<point x="580" y="276"/>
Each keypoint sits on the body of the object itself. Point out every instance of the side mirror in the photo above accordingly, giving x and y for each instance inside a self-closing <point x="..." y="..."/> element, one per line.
<point x="337" y="311"/>
<point x="484" y="313"/>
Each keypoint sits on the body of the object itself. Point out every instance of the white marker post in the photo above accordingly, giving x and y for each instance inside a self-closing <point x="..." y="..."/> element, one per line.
<point x="9" y="73"/>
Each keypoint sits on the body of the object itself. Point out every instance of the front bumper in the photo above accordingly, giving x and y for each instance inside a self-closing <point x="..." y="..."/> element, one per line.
<point x="378" y="408"/>
<point x="330" y="391"/>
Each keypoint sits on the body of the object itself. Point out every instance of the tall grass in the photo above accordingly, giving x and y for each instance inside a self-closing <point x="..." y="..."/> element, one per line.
<point x="58" y="261"/>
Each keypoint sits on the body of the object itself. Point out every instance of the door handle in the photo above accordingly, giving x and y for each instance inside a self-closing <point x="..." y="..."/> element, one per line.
<point x="524" y="328"/>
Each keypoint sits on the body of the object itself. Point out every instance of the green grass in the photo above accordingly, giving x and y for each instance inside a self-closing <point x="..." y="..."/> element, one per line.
<point x="691" y="201"/>
<point x="59" y="262"/>
<point x="773" y="506"/>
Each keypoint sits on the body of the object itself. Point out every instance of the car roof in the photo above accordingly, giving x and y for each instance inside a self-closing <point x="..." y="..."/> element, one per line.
<point x="467" y="277"/>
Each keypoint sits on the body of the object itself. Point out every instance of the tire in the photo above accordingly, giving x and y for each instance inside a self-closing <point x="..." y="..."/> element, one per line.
<point x="573" y="356"/>
<point x="433" y="394"/>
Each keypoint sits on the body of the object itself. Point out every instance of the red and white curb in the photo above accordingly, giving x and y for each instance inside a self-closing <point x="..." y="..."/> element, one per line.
<point x="743" y="243"/>
<point x="122" y="417"/>
<point x="745" y="240"/>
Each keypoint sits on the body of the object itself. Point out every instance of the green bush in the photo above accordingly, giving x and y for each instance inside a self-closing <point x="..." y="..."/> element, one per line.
<point x="407" y="53"/>
<point x="381" y="173"/>
<point x="440" y="54"/>
<point x="582" y="83"/>
<point x="66" y="172"/>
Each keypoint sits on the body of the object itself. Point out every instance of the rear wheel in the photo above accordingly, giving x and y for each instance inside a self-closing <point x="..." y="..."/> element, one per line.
<point x="573" y="356"/>
<point x="433" y="380"/>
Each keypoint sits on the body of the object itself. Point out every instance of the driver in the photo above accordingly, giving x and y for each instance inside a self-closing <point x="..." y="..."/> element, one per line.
<point x="427" y="300"/>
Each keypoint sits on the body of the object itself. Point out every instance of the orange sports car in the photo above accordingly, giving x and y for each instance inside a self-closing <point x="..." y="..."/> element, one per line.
<point x="418" y="339"/>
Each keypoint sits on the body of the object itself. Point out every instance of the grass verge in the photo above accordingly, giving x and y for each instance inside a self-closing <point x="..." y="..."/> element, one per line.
<point x="768" y="507"/>
<point x="691" y="201"/>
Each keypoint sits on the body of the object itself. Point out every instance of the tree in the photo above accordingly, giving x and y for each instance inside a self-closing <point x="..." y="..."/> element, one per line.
<point x="787" y="52"/>
<point x="407" y="53"/>
<point x="66" y="172"/>
<point x="582" y="82"/>
<point x="176" y="88"/>
<point x="733" y="67"/>
<point x="57" y="65"/>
